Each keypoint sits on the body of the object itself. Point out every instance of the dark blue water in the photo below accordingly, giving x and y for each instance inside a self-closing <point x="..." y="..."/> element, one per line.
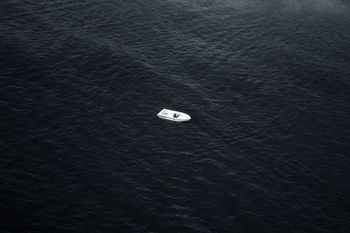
<point x="267" y="84"/>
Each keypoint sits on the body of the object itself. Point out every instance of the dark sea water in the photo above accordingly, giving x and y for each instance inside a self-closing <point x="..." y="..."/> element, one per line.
<point x="267" y="84"/>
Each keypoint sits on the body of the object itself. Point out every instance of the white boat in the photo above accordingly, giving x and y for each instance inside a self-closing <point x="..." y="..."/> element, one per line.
<point x="172" y="115"/>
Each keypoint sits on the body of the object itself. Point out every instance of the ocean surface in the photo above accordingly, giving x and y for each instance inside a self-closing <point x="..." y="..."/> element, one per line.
<point x="267" y="84"/>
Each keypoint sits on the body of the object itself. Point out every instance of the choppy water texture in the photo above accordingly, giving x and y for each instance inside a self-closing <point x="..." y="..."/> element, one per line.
<point x="267" y="86"/>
